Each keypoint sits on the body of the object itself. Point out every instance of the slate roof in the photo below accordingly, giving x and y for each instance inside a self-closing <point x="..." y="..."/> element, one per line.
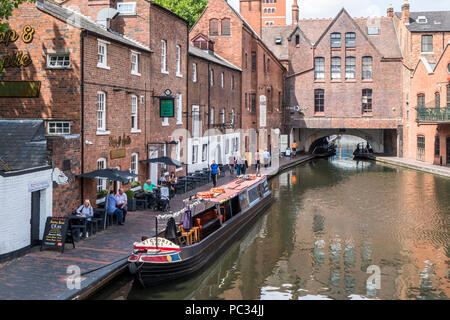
<point x="385" y="42"/>
<point x="82" y="22"/>
<point x="215" y="58"/>
<point x="437" y="21"/>
<point x="23" y="145"/>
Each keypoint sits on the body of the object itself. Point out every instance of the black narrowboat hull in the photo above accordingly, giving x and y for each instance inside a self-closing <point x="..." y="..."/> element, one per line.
<point x="199" y="255"/>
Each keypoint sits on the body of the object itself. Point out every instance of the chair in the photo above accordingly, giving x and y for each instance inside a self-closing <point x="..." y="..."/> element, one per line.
<point x="141" y="203"/>
<point x="186" y="236"/>
<point x="100" y="216"/>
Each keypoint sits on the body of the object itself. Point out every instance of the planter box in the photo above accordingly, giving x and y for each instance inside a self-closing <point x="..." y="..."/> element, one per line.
<point x="136" y="188"/>
<point x="101" y="200"/>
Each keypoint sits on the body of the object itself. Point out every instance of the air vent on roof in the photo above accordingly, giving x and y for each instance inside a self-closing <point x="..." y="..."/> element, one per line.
<point x="422" y="19"/>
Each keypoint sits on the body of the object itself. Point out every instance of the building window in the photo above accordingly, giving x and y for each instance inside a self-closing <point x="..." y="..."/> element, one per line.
<point x="179" y="102"/>
<point x="350" y="68"/>
<point x="232" y="116"/>
<point x="335" y="68"/>
<point x="194" y="72"/>
<point x="319" y="100"/>
<point x="101" y="111"/>
<point x="58" y="61"/>
<point x="58" y="127"/>
<point x="222" y="115"/>
<point x="253" y="61"/>
<point x="196" y="121"/>
<point x="335" y="40"/>
<point x="126" y="8"/>
<point x="211" y="116"/>
<point x="427" y="43"/>
<point x="213" y="27"/>
<point x="421" y="148"/>
<point x="164" y="56"/>
<point x="222" y="80"/>
<point x="232" y="82"/>
<point x="437" y="146"/>
<point x="367" y="101"/>
<point x="135" y="63"/>
<point x="134" y="164"/>
<point x="134" y="112"/>
<point x="367" y="68"/>
<point x="253" y="103"/>
<point x="448" y="95"/>
<point x="297" y="39"/>
<point x="211" y="77"/>
<point x="204" y="152"/>
<point x="421" y="100"/>
<point x="178" y="61"/>
<point x="194" y="154"/>
<point x="373" y="30"/>
<point x="437" y="100"/>
<point x="319" y="68"/>
<point x="101" y="183"/>
<point x="102" y="55"/>
<point x="226" y="27"/>
<point x="350" y="40"/>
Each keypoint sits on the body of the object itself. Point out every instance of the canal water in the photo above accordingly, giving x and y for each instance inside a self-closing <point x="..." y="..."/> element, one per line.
<point x="339" y="229"/>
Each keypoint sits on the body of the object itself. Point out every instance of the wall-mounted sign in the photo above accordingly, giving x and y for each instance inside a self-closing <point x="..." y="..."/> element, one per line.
<point x="39" y="185"/>
<point x="120" y="141"/>
<point x="166" y="107"/>
<point x="20" y="89"/>
<point x="17" y="58"/>
<point x="117" y="154"/>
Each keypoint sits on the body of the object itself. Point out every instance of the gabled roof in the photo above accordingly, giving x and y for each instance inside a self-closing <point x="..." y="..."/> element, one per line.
<point x="431" y="66"/>
<point x="23" y="145"/>
<point x="82" y="22"/>
<point x="213" y="57"/>
<point x="437" y="21"/>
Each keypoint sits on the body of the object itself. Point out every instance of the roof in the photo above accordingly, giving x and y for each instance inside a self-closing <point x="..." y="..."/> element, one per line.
<point x="386" y="42"/>
<point x="82" y="22"/>
<point x="23" y="145"/>
<point x="233" y="188"/>
<point x="437" y="21"/>
<point x="212" y="57"/>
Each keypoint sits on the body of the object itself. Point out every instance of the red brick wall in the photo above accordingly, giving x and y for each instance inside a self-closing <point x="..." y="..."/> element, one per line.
<point x="250" y="10"/>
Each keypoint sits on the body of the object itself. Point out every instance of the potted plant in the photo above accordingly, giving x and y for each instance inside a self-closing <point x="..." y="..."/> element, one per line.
<point x="101" y="195"/>
<point x="131" y="204"/>
<point x="135" y="186"/>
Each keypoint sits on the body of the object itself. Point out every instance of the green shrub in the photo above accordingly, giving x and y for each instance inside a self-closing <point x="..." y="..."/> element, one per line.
<point x="130" y="194"/>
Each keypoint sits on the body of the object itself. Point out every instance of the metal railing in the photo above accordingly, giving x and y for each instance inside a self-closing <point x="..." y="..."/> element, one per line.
<point x="433" y="114"/>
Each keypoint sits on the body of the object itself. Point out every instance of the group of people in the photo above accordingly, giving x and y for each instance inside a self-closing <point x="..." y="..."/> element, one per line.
<point x="115" y="204"/>
<point x="239" y="164"/>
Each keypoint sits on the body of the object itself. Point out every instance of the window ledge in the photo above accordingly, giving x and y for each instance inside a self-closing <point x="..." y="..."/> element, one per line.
<point x="179" y="75"/>
<point x="165" y="124"/>
<point x="319" y="114"/>
<point x="179" y="123"/>
<point x="367" y="80"/>
<point x="165" y="72"/>
<point x="336" y="80"/>
<point x="350" y="80"/>
<point x="103" y="67"/>
<point x="367" y="115"/>
<point x="427" y="53"/>
<point x="319" y="80"/>
<point x="136" y="130"/>
<point x="135" y="73"/>
<point x="103" y="132"/>
<point x="178" y="169"/>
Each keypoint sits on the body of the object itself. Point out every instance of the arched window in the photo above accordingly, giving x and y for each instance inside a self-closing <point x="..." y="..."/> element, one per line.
<point x="213" y="27"/>
<point x="350" y="40"/>
<point x="226" y="27"/>
<point x="335" y="40"/>
<point x="421" y="100"/>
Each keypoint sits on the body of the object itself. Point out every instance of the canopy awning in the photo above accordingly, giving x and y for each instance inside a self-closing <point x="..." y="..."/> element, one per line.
<point x="164" y="160"/>
<point x="110" y="174"/>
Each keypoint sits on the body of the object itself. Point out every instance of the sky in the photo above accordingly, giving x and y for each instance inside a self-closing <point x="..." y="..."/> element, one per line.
<point x="356" y="8"/>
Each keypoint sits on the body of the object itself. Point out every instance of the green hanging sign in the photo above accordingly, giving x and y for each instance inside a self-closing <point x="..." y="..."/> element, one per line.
<point x="166" y="107"/>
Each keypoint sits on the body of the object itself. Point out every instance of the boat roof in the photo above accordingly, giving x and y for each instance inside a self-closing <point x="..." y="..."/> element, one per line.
<point x="233" y="188"/>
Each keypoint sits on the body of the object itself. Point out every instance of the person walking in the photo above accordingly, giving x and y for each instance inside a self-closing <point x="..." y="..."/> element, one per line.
<point x="231" y="163"/>
<point x="238" y="166"/>
<point x="215" y="171"/>
<point x="244" y="166"/>
<point x="258" y="161"/>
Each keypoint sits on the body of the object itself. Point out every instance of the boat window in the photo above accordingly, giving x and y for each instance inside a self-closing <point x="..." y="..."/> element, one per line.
<point x="243" y="199"/>
<point x="265" y="186"/>
<point x="253" y="195"/>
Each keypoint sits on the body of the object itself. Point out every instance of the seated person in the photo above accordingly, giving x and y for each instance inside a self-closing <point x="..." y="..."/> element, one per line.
<point x="148" y="186"/>
<point x="122" y="201"/>
<point x="86" y="210"/>
<point x="112" y="207"/>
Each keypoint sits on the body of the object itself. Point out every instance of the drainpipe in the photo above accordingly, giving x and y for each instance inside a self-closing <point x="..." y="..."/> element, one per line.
<point x="83" y="35"/>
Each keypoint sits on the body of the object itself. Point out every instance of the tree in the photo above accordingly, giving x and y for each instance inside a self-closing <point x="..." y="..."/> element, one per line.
<point x="6" y="10"/>
<point x="189" y="10"/>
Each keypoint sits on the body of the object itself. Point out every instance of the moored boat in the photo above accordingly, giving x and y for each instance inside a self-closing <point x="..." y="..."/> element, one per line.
<point x="363" y="152"/>
<point x="224" y="214"/>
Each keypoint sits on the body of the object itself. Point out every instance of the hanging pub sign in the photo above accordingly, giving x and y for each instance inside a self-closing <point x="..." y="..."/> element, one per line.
<point x="166" y="107"/>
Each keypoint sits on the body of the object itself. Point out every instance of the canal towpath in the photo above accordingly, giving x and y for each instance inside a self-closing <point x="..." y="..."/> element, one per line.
<point x="43" y="275"/>
<point x="415" y="165"/>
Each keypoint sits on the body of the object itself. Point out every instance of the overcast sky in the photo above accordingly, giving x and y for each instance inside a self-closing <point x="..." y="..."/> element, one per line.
<point x="356" y="8"/>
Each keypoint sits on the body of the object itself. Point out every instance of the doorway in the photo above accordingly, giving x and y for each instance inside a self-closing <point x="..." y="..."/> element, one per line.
<point x="448" y="151"/>
<point x="153" y="167"/>
<point x="35" y="217"/>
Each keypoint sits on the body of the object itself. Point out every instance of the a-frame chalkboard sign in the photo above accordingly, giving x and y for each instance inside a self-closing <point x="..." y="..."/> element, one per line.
<point x="55" y="233"/>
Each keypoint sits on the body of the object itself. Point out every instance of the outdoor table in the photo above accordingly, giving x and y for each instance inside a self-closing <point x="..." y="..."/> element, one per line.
<point x="79" y="218"/>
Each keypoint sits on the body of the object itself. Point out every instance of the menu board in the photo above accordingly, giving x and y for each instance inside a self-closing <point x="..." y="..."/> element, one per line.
<point x="55" y="233"/>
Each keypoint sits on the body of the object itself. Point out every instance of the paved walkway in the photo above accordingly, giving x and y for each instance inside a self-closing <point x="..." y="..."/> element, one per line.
<point x="416" y="165"/>
<point x="43" y="275"/>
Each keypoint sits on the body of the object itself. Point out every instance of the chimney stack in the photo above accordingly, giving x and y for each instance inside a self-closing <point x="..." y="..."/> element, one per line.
<point x="390" y="11"/>
<point x="405" y="12"/>
<point x="295" y="14"/>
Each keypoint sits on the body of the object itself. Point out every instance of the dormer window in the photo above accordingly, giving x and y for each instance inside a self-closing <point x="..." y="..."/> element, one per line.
<point x="373" y="30"/>
<point x="278" y="41"/>
<point x="126" y="8"/>
<point x="422" y="19"/>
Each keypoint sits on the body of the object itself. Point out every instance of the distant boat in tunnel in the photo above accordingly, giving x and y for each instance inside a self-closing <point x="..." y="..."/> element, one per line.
<point x="363" y="152"/>
<point x="324" y="147"/>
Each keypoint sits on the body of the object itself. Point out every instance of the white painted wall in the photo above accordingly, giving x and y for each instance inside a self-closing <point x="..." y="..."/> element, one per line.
<point x="15" y="209"/>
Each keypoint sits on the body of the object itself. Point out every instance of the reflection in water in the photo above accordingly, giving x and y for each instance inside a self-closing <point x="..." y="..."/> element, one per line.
<point x="333" y="219"/>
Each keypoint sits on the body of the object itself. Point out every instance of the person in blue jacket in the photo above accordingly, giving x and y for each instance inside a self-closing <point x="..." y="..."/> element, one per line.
<point x="111" y="207"/>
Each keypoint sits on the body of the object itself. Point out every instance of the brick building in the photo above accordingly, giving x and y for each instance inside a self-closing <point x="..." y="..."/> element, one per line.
<point x="344" y="76"/>
<point x="214" y="106"/>
<point x="262" y="74"/>
<point x="424" y="39"/>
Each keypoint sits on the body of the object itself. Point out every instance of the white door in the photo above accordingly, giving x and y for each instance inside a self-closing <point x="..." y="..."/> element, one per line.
<point x="154" y="167"/>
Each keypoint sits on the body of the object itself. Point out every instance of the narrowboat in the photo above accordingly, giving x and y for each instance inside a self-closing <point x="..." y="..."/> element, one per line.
<point x="225" y="213"/>
<point x="363" y="152"/>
